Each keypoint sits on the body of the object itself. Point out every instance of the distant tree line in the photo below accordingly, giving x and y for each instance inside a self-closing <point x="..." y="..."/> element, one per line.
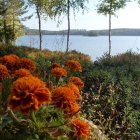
<point x="83" y="32"/>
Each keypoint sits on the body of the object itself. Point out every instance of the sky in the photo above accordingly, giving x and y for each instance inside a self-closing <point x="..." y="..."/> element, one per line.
<point x="128" y="17"/>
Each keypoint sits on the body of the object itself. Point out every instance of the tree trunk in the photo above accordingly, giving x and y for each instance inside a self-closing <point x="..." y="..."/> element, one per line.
<point x="39" y="23"/>
<point x="5" y="30"/>
<point x="4" y="26"/>
<point x="13" y="27"/>
<point x="68" y="33"/>
<point x="109" y="35"/>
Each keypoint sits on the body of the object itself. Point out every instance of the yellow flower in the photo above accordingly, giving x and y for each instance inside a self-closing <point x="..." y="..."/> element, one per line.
<point x="81" y="128"/>
<point x="28" y="93"/>
<point x="58" y="72"/>
<point x="3" y="72"/>
<point x="77" y="81"/>
<point x="73" y="65"/>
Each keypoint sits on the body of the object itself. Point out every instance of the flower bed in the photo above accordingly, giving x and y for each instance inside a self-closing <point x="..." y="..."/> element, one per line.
<point x="33" y="106"/>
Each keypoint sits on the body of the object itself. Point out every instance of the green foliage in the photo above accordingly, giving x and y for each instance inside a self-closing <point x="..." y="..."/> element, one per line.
<point x="10" y="24"/>
<point x="21" y="51"/>
<point x="111" y="95"/>
<point x="59" y="7"/>
<point x="110" y="6"/>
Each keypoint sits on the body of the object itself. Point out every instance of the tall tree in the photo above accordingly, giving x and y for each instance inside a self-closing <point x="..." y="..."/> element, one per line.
<point x="68" y="19"/>
<point x="11" y="12"/>
<point x="61" y="7"/>
<point x="109" y="7"/>
<point x="6" y="34"/>
<point x="40" y="9"/>
<point x="16" y="11"/>
<point x="75" y="5"/>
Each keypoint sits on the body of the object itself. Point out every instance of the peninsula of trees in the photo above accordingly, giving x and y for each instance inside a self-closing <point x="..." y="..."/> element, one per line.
<point x="83" y="32"/>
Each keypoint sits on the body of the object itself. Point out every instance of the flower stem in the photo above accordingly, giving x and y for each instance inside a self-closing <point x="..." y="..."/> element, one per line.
<point x="10" y="112"/>
<point x="33" y="118"/>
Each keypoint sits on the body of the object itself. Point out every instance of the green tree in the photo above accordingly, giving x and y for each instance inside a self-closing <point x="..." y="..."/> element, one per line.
<point x="109" y="7"/>
<point x="6" y="34"/>
<point x="40" y="7"/>
<point x="63" y="7"/>
<point x="11" y="12"/>
<point x="16" y="11"/>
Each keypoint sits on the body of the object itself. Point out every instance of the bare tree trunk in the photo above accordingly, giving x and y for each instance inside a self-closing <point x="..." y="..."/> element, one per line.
<point x="5" y="30"/>
<point x="109" y="35"/>
<point x="4" y="25"/>
<point x="68" y="33"/>
<point x="39" y="23"/>
<point x="13" y="27"/>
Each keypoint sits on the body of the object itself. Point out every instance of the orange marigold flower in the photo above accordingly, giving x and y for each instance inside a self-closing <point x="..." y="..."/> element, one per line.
<point x="28" y="93"/>
<point x="73" y="65"/>
<point x="75" y="89"/>
<point x="27" y="64"/>
<point x="77" y="81"/>
<point x="72" y="109"/>
<point x="10" y="61"/>
<point x="81" y="128"/>
<point x="21" y="73"/>
<point x="64" y="98"/>
<point x="3" y="72"/>
<point x="58" y="72"/>
<point x="55" y="65"/>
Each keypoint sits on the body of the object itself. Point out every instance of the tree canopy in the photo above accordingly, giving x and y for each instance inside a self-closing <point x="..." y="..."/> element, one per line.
<point x="110" y="6"/>
<point x="11" y="12"/>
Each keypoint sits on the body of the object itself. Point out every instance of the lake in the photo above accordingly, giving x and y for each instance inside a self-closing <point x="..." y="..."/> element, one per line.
<point x="95" y="47"/>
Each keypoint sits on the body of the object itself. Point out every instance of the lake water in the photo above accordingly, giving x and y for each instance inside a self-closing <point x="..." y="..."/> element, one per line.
<point x="93" y="46"/>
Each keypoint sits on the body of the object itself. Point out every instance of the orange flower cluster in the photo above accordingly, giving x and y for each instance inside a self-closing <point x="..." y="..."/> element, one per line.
<point x="26" y="64"/>
<point x="13" y="63"/>
<point x="59" y="72"/>
<point x="81" y="129"/>
<point x="21" y="73"/>
<point x="73" y="65"/>
<point x="75" y="90"/>
<point x="3" y="72"/>
<point x="28" y="93"/>
<point x="64" y="98"/>
<point x="77" y="81"/>
<point x="10" y="61"/>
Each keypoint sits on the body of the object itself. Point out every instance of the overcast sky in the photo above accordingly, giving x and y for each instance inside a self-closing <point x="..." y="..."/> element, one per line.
<point x="129" y="17"/>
